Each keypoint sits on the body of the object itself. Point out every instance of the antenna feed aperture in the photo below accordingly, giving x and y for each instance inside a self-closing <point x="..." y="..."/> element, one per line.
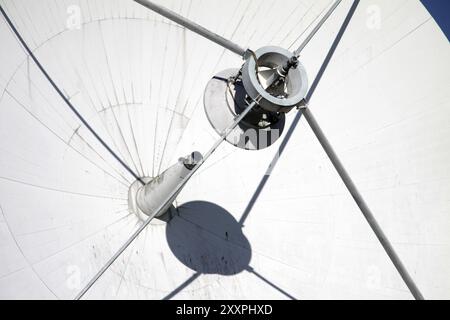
<point x="273" y="79"/>
<point x="277" y="77"/>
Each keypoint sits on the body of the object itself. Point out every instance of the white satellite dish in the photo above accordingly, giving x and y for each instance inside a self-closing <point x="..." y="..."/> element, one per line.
<point x="107" y="96"/>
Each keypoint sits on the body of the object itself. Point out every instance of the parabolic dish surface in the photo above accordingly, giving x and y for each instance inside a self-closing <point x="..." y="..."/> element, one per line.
<point x="138" y="79"/>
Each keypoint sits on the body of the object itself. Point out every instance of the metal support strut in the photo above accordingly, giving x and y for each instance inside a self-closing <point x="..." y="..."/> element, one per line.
<point x="168" y="200"/>
<point x="317" y="27"/>
<point x="362" y="205"/>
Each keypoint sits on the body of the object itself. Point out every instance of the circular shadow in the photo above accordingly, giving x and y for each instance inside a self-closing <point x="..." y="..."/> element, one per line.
<point x="206" y="238"/>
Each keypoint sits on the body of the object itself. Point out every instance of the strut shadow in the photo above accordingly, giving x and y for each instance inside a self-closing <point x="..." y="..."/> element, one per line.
<point x="298" y="116"/>
<point x="207" y="239"/>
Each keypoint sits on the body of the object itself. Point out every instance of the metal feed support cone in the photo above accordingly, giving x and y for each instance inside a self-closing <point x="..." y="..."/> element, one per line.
<point x="150" y="196"/>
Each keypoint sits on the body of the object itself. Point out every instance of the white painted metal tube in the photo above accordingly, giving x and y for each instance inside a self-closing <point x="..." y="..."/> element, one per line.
<point x="150" y="196"/>
<point x="362" y="205"/>
<point x="168" y="201"/>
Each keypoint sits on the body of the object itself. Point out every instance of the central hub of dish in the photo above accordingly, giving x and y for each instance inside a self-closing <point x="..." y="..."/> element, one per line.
<point x="273" y="78"/>
<point x="153" y="197"/>
<point x="134" y="208"/>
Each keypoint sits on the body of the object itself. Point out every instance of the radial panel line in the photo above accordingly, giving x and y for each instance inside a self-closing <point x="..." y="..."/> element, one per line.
<point x="175" y="17"/>
<point x="362" y="205"/>
<point x="317" y="27"/>
<point x="332" y="50"/>
<point x="61" y="94"/>
<point x="182" y="286"/>
<point x="251" y="270"/>
<point x="298" y="116"/>
<point x="169" y="198"/>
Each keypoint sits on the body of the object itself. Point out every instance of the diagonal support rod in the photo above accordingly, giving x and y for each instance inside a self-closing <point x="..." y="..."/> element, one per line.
<point x="339" y="167"/>
<point x="64" y="98"/>
<point x="175" y="17"/>
<point x="169" y="198"/>
<point x="317" y="27"/>
<point x="362" y="204"/>
<point x="298" y="116"/>
<point x="341" y="170"/>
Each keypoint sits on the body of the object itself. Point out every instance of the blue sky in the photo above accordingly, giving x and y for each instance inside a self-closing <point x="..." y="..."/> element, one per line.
<point x="440" y="10"/>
